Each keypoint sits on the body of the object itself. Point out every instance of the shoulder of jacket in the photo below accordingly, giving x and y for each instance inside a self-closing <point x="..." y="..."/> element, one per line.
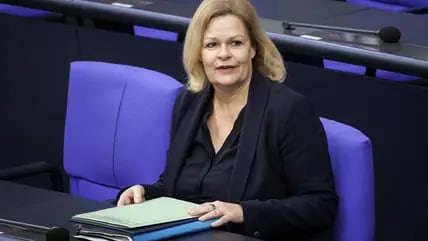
<point x="184" y="98"/>
<point x="285" y="97"/>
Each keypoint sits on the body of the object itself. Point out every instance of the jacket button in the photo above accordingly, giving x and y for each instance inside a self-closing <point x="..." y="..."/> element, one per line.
<point x="256" y="234"/>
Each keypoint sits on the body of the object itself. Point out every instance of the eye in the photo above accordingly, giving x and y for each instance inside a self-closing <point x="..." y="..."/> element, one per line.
<point x="236" y="43"/>
<point x="210" y="45"/>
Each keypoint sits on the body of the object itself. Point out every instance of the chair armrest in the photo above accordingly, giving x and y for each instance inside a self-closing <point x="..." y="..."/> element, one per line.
<point x="32" y="169"/>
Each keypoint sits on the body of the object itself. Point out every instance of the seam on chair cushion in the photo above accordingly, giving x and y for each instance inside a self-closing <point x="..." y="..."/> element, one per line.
<point x="115" y="132"/>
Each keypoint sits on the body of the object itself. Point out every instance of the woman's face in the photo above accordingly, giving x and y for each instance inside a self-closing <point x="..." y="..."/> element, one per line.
<point x="227" y="52"/>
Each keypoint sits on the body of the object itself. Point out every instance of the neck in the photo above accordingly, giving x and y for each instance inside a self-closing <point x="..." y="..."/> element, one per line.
<point x="232" y="96"/>
<point x="231" y="101"/>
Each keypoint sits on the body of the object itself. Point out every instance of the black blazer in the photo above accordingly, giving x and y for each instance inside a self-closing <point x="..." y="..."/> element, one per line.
<point x="282" y="175"/>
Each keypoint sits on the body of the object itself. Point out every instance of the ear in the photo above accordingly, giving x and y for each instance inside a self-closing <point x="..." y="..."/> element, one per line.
<point x="253" y="52"/>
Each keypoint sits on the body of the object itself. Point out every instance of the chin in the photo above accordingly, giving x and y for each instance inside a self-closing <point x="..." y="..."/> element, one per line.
<point x="229" y="82"/>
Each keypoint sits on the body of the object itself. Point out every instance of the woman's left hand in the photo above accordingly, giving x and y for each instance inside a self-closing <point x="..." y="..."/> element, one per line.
<point x="225" y="212"/>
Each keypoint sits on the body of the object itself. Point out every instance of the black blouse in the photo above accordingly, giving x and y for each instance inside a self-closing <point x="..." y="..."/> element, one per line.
<point x="205" y="174"/>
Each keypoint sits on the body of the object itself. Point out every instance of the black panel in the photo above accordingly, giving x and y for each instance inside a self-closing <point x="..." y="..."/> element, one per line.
<point x="4" y="30"/>
<point x="34" y="71"/>
<point x="159" y="55"/>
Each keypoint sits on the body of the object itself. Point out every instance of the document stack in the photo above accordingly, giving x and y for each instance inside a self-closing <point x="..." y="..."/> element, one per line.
<point x="154" y="219"/>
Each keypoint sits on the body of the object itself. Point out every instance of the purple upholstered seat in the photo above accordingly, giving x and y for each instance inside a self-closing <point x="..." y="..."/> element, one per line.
<point x="155" y="33"/>
<point x="352" y="164"/>
<point x="117" y="131"/>
<point x="394" y="5"/>
<point x="378" y="4"/>
<point x="22" y="11"/>
<point x="117" y="127"/>
<point x="357" y="69"/>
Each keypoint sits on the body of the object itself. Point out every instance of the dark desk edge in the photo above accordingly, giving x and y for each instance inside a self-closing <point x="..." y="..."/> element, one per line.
<point x="351" y="55"/>
<point x="179" y="24"/>
<point x="109" y="12"/>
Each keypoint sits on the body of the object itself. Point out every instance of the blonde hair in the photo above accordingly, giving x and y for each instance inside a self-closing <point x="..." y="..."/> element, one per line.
<point x="268" y="60"/>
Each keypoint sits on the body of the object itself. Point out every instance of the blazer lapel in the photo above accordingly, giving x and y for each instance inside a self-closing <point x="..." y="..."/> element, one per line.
<point x="254" y="113"/>
<point x="183" y="138"/>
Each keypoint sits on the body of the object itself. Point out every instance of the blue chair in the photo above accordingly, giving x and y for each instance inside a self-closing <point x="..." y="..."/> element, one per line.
<point x="155" y="33"/>
<point x="352" y="164"/>
<point x="117" y="134"/>
<point x="24" y="11"/>
<point x="117" y="127"/>
<point x="414" y="6"/>
<point x="379" y="4"/>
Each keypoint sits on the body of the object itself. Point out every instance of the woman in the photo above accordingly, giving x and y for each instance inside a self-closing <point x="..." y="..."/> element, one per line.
<point x="248" y="148"/>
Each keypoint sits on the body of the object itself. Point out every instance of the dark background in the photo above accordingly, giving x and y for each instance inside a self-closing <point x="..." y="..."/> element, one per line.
<point x="34" y="65"/>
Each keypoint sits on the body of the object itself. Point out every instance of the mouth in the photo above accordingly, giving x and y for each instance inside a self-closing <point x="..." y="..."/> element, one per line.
<point x="225" y="67"/>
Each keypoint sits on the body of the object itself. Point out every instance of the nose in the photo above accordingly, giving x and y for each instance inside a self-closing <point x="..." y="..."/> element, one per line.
<point x="224" y="52"/>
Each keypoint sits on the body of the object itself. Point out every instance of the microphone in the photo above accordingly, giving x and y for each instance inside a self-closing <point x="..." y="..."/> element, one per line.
<point x="51" y="233"/>
<point x="388" y="34"/>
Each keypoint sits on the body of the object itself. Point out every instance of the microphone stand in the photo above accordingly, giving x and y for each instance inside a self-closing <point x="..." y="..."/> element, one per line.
<point x="290" y="26"/>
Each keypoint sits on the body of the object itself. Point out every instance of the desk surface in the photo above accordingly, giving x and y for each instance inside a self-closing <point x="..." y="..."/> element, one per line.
<point x="272" y="9"/>
<point x="410" y="56"/>
<point x="293" y="10"/>
<point x="303" y="10"/>
<point x="414" y="28"/>
<point x="48" y="208"/>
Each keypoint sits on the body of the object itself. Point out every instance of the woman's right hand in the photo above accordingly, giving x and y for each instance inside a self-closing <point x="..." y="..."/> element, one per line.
<point x="134" y="194"/>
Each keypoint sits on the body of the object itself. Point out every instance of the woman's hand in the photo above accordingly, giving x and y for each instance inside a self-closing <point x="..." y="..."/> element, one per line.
<point x="226" y="212"/>
<point x="134" y="194"/>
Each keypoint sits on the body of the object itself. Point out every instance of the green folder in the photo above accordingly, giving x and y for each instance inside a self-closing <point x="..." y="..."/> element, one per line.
<point x="155" y="219"/>
<point x="151" y="212"/>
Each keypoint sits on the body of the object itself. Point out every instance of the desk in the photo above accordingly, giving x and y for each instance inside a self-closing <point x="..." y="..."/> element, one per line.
<point x="49" y="208"/>
<point x="410" y="56"/>
<point x="303" y="10"/>
<point x="413" y="27"/>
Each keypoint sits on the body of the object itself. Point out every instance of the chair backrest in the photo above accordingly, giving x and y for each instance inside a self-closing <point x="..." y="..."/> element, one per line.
<point x="23" y="11"/>
<point x="394" y="5"/>
<point x="407" y="3"/>
<point x="352" y="164"/>
<point x="117" y="127"/>
<point x="117" y="134"/>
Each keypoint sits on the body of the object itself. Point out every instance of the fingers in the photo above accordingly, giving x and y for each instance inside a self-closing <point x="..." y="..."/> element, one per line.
<point x="138" y="194"/>
<point x="225" y="212"/>
<point x="123" y="200"/>
<point x="223" y="220"/>
<point x="210" y="215"/>
<point x="201" y="209"/>
<point x="134" y="194"/>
